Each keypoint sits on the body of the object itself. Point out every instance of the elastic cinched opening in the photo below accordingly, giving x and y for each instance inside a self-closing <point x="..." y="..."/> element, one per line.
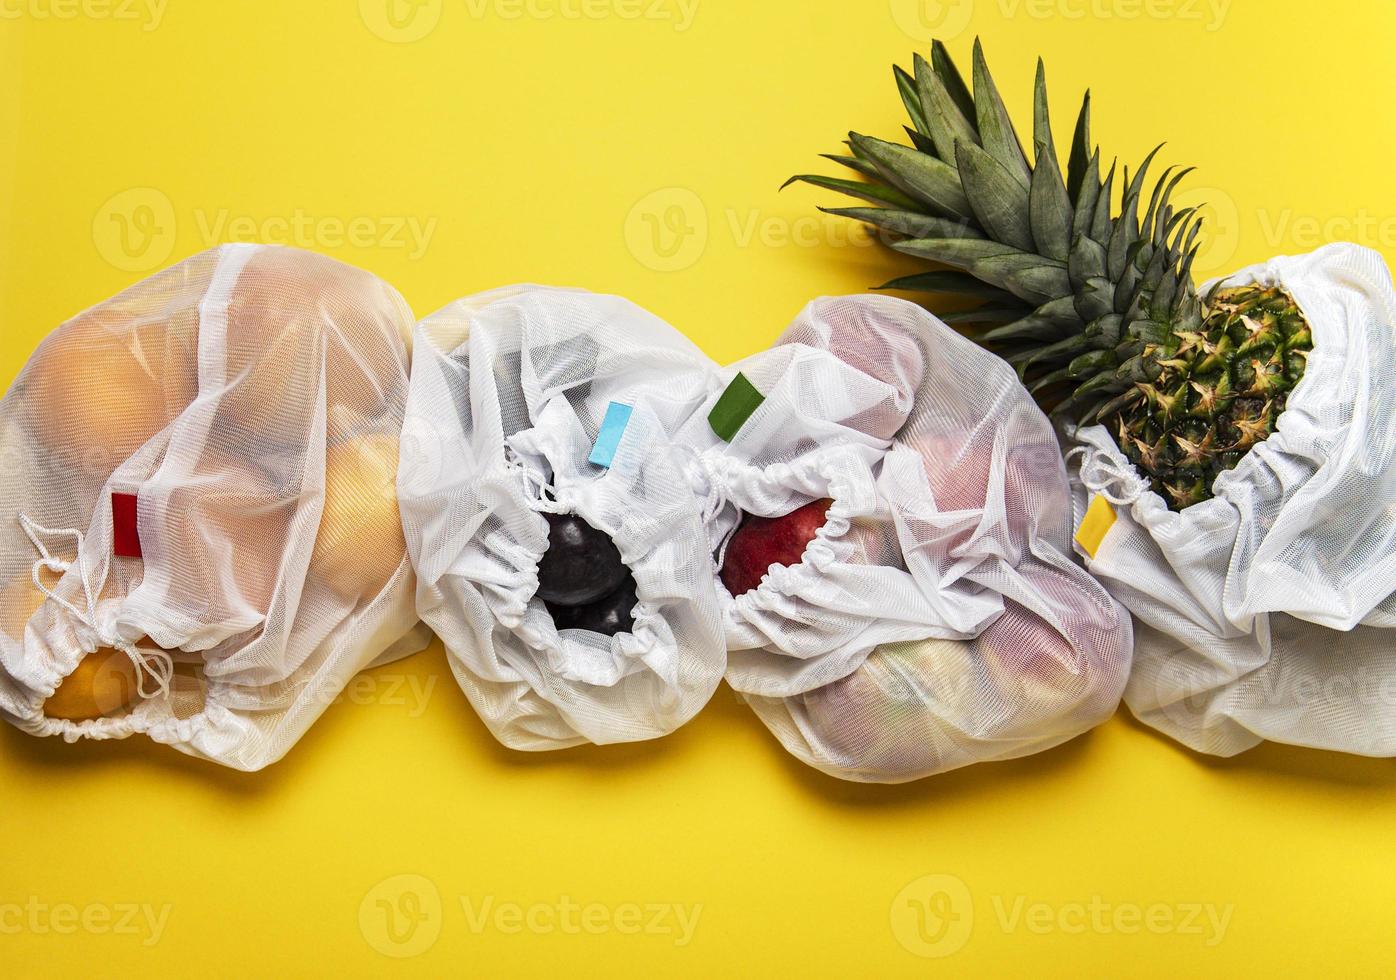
<point x="511" y="589"/>
<point x="837" y="476"/>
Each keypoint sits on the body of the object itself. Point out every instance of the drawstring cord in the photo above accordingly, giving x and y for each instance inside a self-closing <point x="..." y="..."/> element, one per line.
<point x="715" y="501"/>
<point x="1100" y="470"/>
<point x="158" y="665"/>
<point x="539" y="488"/>
<point x="715" y="497"/>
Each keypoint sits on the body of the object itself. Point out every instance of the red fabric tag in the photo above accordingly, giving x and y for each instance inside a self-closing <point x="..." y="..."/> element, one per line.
<point x="126" y="536"/>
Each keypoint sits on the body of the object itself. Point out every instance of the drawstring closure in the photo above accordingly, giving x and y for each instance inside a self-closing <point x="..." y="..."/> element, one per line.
<point x="714" y="489"/>
<point x="1099" y="472"/>
<point x="539" y="489"/>
<point x="715" y="501"/>
<point x="158" y="665"/>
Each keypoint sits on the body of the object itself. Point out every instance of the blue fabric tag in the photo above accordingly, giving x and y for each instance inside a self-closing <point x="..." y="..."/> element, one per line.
<point x="612" y="428"/>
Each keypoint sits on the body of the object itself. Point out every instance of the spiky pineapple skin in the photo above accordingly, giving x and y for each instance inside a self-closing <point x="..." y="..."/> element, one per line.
<point x="1220" y="391"/>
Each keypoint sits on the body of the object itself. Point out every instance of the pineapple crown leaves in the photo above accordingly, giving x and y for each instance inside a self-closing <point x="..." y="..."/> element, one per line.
<point x="1082" y="301"/>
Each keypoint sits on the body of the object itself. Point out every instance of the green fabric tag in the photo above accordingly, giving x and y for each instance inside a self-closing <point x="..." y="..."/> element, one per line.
<point x="734" y="407"/>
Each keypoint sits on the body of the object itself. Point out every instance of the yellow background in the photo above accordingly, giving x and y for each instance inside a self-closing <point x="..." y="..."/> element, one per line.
<point x="554" y="149"/>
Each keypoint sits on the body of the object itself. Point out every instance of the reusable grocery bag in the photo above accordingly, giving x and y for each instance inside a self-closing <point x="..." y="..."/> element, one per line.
<point x="1269" y="612"/>
<point x="531" y="401"/>
<point x="199" y="538"/>
<point x="938" y="617"/>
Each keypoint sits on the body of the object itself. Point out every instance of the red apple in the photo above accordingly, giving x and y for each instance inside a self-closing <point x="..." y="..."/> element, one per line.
<point x="761" y="542"/>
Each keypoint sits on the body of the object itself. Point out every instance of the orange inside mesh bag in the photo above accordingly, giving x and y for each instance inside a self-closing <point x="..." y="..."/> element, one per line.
<point x="234" y="421"/>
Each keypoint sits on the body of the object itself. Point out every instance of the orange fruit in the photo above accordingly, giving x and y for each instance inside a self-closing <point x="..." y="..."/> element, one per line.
<point x="103" y="683"/>
<point x="360" y="544"/>
<point x="292" y="312"/>
<point x="106" y="382"/>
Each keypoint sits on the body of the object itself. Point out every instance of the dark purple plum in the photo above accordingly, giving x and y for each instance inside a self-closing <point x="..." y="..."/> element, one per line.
<point x="581" y="564"/>
<point x="608" y="616"/>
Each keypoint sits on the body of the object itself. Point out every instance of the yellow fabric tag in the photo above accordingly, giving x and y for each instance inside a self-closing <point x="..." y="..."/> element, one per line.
<point x="1099" y="519"/>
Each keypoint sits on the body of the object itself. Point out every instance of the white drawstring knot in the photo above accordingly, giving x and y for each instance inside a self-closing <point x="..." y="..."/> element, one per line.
<point x="697" y="467"/>
<point x="158" y="665"/>
<point x="715" y="501"/>
<point x="540" y="490"/>
<point x="1099" y="471"/>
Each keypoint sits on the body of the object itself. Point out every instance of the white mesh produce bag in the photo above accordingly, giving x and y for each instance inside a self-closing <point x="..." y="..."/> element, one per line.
<point x="233" y="420"/>
<point x="1267" y="612"/>
<point x="509" y="394"/>
<point x="938" y="618"/>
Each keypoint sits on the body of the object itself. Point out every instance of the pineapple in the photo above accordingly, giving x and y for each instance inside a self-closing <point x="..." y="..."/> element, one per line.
<point x="1095" y="309"/>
